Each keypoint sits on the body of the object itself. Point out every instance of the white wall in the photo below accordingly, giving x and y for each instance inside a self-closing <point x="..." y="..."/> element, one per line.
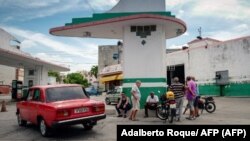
<point x="144" y="61"/>
<point x="7" y="74"/>
<point x="203" y="62"/>
<point x="40" y="76"/>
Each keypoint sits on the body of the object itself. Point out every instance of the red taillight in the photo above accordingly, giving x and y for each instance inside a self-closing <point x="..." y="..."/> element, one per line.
<point x="62" y="113"/>
<point x="98" y="108"/>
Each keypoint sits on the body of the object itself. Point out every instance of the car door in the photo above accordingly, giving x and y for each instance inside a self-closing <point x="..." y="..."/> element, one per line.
<point x="34" y="105"/>
<point x="24" y="106"/>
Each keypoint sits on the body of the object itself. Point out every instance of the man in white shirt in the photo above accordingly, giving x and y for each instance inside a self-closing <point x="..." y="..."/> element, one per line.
<point x="136" y="96"/>
<point x="151" y="103"/>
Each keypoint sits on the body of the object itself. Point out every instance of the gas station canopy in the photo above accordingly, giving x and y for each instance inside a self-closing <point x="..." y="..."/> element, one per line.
<point x="110" y="25"/>
<point x="14" y="59"/>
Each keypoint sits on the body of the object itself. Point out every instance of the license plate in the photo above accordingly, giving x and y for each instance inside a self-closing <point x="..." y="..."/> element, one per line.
<point x="81" y="110"/>
<point x="172" y="105"/>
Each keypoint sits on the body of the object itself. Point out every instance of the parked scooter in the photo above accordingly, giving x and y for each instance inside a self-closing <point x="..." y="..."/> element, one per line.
<point x="167" y="109"/>
<point x="207" y="103"/>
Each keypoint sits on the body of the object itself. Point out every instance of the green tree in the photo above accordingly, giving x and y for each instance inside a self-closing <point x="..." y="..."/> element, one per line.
<point x="56" y="75"/>
<point x="94" y="71"/>
<point x="76" y="78"/>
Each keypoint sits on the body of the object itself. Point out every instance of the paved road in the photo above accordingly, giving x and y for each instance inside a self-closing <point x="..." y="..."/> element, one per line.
<point x="229" y="111"/>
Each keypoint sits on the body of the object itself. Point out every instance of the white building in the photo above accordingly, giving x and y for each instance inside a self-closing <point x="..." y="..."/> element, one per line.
<point x="33" y="71"/>
<point x="220" y="68"/>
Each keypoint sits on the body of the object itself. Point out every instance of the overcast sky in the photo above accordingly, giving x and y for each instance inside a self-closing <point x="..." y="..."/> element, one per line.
<point x="30" y="20"/>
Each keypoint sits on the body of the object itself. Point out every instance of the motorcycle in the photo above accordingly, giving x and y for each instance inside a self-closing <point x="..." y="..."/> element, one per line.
<point x="207" y="103"/>
<point x="167" y="109"/>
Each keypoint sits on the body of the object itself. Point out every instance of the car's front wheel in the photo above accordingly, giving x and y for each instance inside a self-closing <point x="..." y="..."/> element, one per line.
<point x="44" y="129"/>
<point x="20" y="121"/>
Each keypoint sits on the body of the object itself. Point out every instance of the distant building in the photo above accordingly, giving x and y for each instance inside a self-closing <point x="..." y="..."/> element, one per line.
<point x="172" y="50"/>
<point x="110" y="66"/>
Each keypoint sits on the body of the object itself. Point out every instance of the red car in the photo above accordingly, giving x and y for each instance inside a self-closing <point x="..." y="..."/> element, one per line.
<point x="53" y="106"/>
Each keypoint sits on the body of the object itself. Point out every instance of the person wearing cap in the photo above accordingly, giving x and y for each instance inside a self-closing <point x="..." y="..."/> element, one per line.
<point x="151" y="103"/>
<point x="123" y="104"/>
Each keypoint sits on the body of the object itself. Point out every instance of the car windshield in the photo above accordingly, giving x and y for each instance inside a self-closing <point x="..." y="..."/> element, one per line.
<point x="64" y="93"/>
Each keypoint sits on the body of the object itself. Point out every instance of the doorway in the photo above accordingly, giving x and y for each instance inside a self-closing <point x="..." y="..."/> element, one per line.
<point x="175" y="71"/>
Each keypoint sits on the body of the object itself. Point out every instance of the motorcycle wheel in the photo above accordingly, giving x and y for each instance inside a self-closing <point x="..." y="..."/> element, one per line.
<point x="161" y="112"/>
<point x="210" y="107"/>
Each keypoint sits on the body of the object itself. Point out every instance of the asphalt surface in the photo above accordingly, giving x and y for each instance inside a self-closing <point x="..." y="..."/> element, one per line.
<point x="229" y="111"/>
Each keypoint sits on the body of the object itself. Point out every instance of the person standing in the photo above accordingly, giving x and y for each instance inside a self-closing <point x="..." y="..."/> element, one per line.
<point x="151" y="103"/>
<point x="190" y="94"/>
<point x="136" y="96"/>
<point x="197" y="98"/>
<point x="178" y="89"/>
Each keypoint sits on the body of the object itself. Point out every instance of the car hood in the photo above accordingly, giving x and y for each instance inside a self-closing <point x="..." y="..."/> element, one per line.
<point x="74" y="103"/>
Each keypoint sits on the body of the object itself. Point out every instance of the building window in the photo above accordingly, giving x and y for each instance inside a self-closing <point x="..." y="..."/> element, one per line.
<point x="31" y="72"/>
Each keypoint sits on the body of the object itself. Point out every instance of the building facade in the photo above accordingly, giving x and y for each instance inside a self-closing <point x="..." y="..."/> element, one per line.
<point x="220" y="68"/>
<point x="110" y="62"/>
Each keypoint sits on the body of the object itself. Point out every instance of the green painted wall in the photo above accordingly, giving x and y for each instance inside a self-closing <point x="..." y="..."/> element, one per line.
<point x="145" y="92"/>
<point x="233" y="89"/>
<point x="146" y="87"/>
<point x="209" y="89"/>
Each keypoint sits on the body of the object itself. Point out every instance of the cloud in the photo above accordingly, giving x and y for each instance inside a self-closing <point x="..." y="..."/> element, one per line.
<point x="235" y="32"/>
<point x="49" y="48"/>
<point x="180" y="14"/>
<point x="28" y="3"/>
<point x="228" y="9"/>
<point x="186" y="34"/>
<point x="102" y="4"/>
<point x="28" y="44"/>
<point x="23" y="10"/>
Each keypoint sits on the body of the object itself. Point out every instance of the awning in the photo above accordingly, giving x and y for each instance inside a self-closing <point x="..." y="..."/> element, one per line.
<point x="111" y="78"/>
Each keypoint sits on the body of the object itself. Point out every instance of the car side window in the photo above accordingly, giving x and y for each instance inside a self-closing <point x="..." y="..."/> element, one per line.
<point x="30" y="97"/>
<point x="36" y="96"/>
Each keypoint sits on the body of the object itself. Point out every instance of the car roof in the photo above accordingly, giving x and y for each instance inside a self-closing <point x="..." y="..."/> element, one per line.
<point x="56" y="86"/>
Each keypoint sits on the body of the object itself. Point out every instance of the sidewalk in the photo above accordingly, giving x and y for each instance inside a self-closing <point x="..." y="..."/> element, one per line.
<point x="230" y="110"/>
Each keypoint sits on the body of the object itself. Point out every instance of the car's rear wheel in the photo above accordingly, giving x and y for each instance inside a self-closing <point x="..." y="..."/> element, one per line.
<point x="88" y="126"/>
<point x="44" y="129"/>
<point x="20" y="121"/>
